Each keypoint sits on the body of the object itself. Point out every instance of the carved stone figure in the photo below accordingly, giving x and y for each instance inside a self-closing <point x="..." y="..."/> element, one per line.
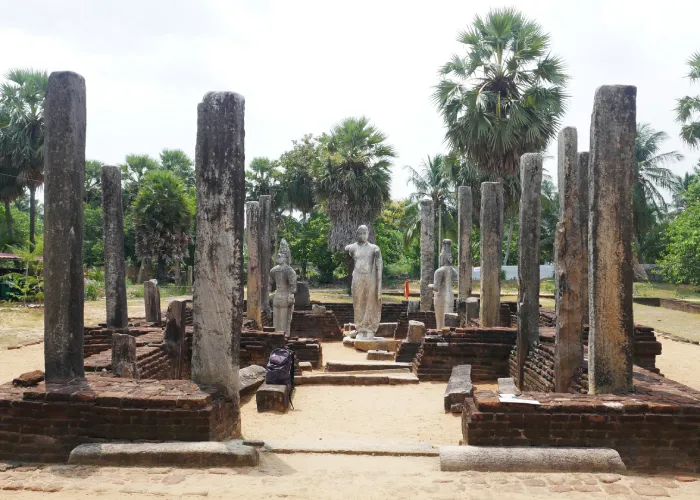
<point x="366" y="284"/>
<point x="443" y="296"/>
<point x="286" y="285"/>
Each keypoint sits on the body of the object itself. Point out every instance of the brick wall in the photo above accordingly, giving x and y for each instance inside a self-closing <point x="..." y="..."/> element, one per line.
<point x="256" y="346"/>
<point x="46" y="422"/>
<point x="486" y="349"/>
<point x="307" y="350"/>
<point x="99" y="338"/>
<point x="306" y="324"/>
<point x="657" y="428"/>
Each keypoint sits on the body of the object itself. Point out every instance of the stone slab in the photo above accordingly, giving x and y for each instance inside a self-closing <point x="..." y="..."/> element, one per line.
<point x="376" y="344"/>
<point x="250" y="378"/>
<point x="273" y="397"/>
<point x="359" y="379"/>
<point x="347" y="366"/>
<point x="305" y="366"/>
<point x="353" y="447"/>
<point x="386" y="330"/>
<point x="512" y="459"/>
<point x="459" y="387"/>
<point x="174" y="454"/>
<point x="380" y="356"/>
<point x="507" y="386"/>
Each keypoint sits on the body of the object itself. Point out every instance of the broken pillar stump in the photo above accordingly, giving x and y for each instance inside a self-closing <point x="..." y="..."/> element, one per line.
<point x="124" y="355"/>
<point x="272" y="398"/>
<point x="458" y="388"/>
<point x="151" y="298"/>
<point x="416" y="332"/>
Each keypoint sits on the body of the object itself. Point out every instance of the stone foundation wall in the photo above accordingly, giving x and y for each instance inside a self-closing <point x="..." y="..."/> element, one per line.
<point x="427" y="318"/>
<point x="657" y="428"/>
<point x="307" y="325"/>
<point x="99" y="338"/>
<point x="44" y="423"/>
<point x="152" y="363"/>
<point x="307" y="350"/>
<point x="256" y="346"/>
<point x="486" y="349"/>
<point x="675" y="304"/>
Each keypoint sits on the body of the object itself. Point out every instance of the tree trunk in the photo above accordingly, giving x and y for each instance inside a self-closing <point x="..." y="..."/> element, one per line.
<point x="8" y="219"/>
<point x="304" y="262"/>
<point x="439" y="211"/>
<point x="32" y="215"/>
<point x="160" y="271"/>
<point x="640" y="273"/>
<point x="351" y="268"/>
<point x="510" y="237"/>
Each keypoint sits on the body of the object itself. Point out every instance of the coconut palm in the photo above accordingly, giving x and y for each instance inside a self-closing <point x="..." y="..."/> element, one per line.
<point x="688" y="107"/>
<point x="22" y="97"/>
<point x="353" y="178"/>
<point x="262" y="178"/>
<point x="433" y="180"/>
<point x="506" y="96"/>
<point x="298" y="185"/>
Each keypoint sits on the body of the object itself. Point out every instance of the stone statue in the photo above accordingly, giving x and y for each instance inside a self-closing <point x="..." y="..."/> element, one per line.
<point x="366" y="284"/>
<point x="286" y="286"/>
<point x="443" y="296"/>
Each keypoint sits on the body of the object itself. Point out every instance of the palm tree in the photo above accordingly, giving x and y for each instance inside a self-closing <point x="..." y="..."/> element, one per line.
<point x="650" y="174"/>
<point x="434" y="181"/>
<point x="506" y="96"/>
<point x="22" y="96"/>
<point x="688" y="107"/>
<point x="298" y="185"/>
<point x="262" y="178"/>
<point x="353" y="178"/>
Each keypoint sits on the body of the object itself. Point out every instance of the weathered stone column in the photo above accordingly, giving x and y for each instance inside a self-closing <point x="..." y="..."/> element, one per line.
<point x="583" y="183"/>
<point x="151" y="298"/>
<point x="174" y="335"/>
<point x="115" y="273"/>
<point x="490" y="250"/>
<point x="265" y="251"/>
<point x="610" y="224"/>
<point x="427" y="253"/>
<point x="529" y="257"/>
<point x="568" y="264"/>
<point x="64" y="173"/>
<point x="252" y="227"/>
<point x="124" y="356"/>
<point x="218" y="283"/>
<point x="464" y="200"/>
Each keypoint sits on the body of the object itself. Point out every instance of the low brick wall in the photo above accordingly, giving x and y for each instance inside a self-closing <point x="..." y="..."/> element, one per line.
<point x="486" y="349"/>
<point x="427" y="318"/>
<point x="656" y="428"/>
<point x="152" y="362"/>
<point x="305" y="324"/>
<point x="675" y="304"/>
<point x="256" y="346"/>
<point x="307" y="350"/>
<point x="99" y="338"/>
<point x="44" y="423"/>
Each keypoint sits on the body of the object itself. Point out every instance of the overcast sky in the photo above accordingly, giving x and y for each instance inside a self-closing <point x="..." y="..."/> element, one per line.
<point x="304" y="65"/>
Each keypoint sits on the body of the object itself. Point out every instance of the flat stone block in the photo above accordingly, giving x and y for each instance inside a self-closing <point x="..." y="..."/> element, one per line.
<point x="272" y="397"/>
<point x="507" y="386"/>
<point x="305" y="366"/>
<point x="377" y="378"/>
<point x="354" y="447"/>
<point x="377" y="344"/>
<point x="452" y="320"/>
<point x="386" y="330"/>
<point x="350" y="366"/>
<point x="250" y="378"/>
<point x="517" y="459"/>
<point x="416" y="332"/>
<point x="459" y="387"/>
<point x="380" y="356"/>
<point x="348" y="341"/>
<point x="177" y="454"/>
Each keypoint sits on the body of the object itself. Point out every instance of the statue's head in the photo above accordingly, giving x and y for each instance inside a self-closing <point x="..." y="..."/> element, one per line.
<point x="284" y="256"/>
<point x="362" y="234"/>
<point x="446" y="253"/>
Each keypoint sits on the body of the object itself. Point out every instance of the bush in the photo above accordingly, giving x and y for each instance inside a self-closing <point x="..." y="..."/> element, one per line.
<point x="92" y="290"/>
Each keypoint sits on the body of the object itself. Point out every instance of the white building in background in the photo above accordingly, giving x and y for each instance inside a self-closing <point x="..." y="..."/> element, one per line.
<point x="546" y="272"/>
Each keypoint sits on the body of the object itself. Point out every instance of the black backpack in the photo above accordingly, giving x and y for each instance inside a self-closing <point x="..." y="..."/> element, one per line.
<point x="280" y="369"/>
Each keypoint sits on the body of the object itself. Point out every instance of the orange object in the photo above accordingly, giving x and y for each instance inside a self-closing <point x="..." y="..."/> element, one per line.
<point x="406" y="290"/>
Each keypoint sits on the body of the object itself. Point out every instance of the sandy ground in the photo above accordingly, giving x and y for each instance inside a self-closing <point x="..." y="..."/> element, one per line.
<point x="668" y="321"/>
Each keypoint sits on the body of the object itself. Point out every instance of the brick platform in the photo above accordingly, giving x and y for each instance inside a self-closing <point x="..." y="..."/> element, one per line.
<point x="656" y="428"/>
<point x="306" y="324"/>
<point x="307" y="350"/>
<point x="99" y="338"/>
<point x="151" y="361"/>
<point x="44" y="423"/>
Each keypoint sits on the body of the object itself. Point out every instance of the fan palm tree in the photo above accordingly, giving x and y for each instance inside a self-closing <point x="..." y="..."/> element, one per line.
<point x="22" y="97"/>
<point x="262" y="178"/>
<point x="688" y="107"/>
<point x="650" y="174"/>
<point x="353" y="178"/>
<point x="506" y="96"/>
<point x="433" y="180"/>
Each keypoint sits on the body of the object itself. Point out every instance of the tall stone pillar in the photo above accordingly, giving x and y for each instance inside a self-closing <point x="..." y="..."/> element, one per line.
<point x="64" y="173"/>
<point x="464" y="200"/>
<point x="568" y="264"/>
<point x="583" y="183"/>
<point x="115" y="272"/>
<point x="265" y="251"/>
<point x="252" y="212"/>
<point x="427" y="253"/>
<point x="529" y="257"/>
<point x="490" y="250"/>
<point x="218" y="282"/>
<point x="151" y="299"/>
<point x="610" y="226"/>
<point x="174" y="335"/>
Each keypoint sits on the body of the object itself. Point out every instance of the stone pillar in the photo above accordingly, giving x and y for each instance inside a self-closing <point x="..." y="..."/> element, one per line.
<point x="115" y="273"/>
<point x="490" y="250"/>
<point x="568" y="265"/>
<point x="583" y="183"/>
<point x="218" y="283"/>
<point x="124" y="356"/>
<point x="465" y="241"/>
<point x="427" y="253"/>
<point x="190" y="275"/>
<point x="529" y="257"/>
<point x="174" y="336"/>
<point x="151" y="298"/>
<point x="610" y="224"/>
<point x="265" y="251"/>
<point x="252" y="227"/>
<point x="64" y="173"/>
